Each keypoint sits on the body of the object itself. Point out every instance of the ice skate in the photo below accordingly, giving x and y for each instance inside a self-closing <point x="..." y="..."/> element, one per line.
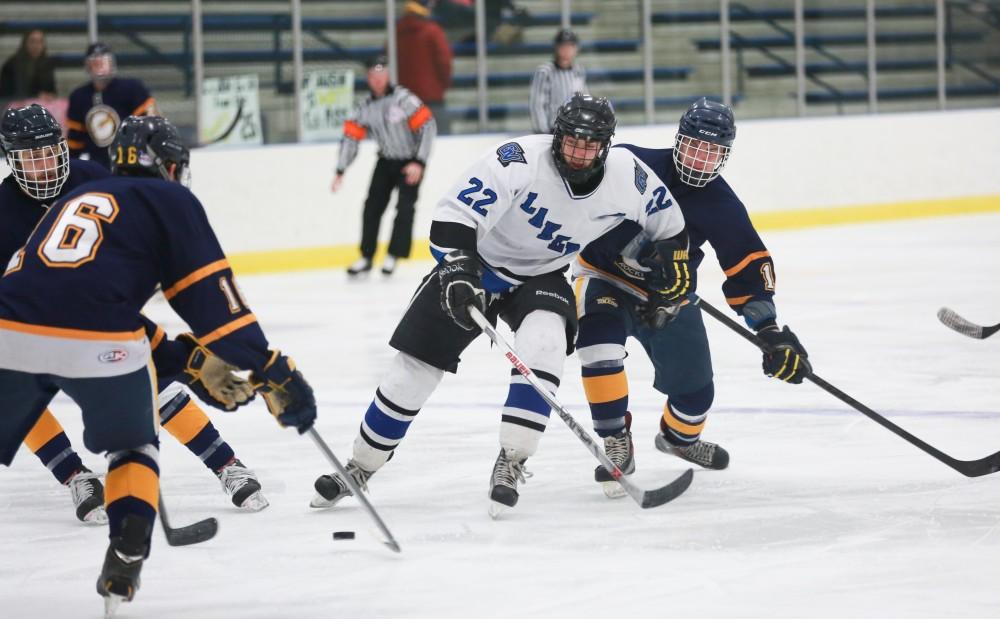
<point x="507" y="471"/>
<point x="620" y="450"/>
<point x="88" y="496"/>
<point x="330" y="489"/>
<point x="702" y="453"/>
<point x="119" y="579"/>
<point x="242" y="486"/>
<point x="360" y="266"/>
<point x="389" y="265"/>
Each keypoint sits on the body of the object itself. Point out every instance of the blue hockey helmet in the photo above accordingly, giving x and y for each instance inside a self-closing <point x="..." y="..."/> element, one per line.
<point x="146" y="146"/>
<point x="32" y="141"/>
<point x="704" y="139"/>
<point x="583" y="117"/>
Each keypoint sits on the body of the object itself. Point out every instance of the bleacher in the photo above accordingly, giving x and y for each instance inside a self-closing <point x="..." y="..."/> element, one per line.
<point x="154" y="41"/>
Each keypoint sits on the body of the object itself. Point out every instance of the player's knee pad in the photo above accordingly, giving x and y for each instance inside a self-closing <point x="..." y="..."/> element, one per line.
<point x="601" y="342"/>
<point x="541" y="341"/>
<point x="695" y="403"/>
<point x="410" y="382"/>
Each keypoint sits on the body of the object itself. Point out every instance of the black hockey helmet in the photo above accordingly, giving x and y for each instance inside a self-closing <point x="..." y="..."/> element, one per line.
<point x="32" y="141"/>
<point x="146" y="146"/>
<point x="100" y="62"/>
<point x="587" y="117"/>
<point x="704" y="138"/>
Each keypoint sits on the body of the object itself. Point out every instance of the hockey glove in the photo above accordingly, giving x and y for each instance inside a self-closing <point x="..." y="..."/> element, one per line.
<point x="786" y="358"/>
<point x="287" y="394"/>
<point x="668" y="283"/>
<point x="212" y="379"/>
<point x="460" y="278"/>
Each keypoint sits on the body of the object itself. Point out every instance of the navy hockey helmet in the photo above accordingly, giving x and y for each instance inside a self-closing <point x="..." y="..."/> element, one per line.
<point x="100" y="62"/>
<point x="146" y="146"/>
<point x="32" y="141"/>
<point x="704" y="138"/>
<point x="582" y="117"/>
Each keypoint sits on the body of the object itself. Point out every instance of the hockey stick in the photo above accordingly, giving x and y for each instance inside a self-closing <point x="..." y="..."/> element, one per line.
<point x="390" y="541"/>
<point x="195" y="533"/>
<point x="956" y="323"/>
<point x="969" y="468"/>
<point x="645" y="498"/>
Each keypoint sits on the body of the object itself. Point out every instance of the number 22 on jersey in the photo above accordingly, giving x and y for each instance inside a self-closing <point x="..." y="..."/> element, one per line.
<point x="76" y="234"/>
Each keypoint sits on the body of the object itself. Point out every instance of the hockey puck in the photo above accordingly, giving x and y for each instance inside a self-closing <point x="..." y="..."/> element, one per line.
<point x="343" y="535"/>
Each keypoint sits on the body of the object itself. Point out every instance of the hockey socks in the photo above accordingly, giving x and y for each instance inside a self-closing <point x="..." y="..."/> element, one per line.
<point x="187" y="423"/>
<point x="49" y="442"/>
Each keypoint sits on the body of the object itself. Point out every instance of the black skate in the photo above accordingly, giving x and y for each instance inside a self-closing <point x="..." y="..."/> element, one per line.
<point x="702" y="453"/>
<point x="507" y="471"/>
<point x="88" y="496"/>
<point x="330" y="489"/>
<point x="389" y="265"/>
<point x="119" y="579"/>
<point x="359" y="267"/>
<point x="242" y="486"/>
<point x="620" y="450"/>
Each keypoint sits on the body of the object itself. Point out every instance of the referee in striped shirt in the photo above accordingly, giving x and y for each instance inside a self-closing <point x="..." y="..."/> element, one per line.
<point x="555" y="82"/>
<point x="404" y="128"/>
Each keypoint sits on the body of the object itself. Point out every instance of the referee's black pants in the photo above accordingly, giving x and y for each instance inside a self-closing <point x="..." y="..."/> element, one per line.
<point x="388" y="175"/>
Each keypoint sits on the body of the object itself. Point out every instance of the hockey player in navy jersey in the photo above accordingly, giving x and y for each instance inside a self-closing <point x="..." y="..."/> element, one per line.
<point x="97" y="108"/>
<point x="41" y="173"/>
<point x="70" y="321"/>
<point x="619" y="296"/>
<point x="504" y="236"/>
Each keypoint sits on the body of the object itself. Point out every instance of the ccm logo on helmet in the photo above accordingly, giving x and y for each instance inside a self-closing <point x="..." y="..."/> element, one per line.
<point x="714" y="134"/>
<point x="113" y="356"/>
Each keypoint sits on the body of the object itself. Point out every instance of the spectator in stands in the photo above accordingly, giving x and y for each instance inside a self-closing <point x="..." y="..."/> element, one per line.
<point x="555" y="82"/>
<point x="97" y="108"/>
<point x="29" y="73"/>
<point x="404" y="129"/>
<point x="461" y="14"/>
<point x="425" y="59"/>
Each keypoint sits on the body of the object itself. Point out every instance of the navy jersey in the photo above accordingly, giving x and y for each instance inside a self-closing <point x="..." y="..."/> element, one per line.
<point x="94" y="116"/>
<point x="94" y="260"/>
<point x="714" y="214"/>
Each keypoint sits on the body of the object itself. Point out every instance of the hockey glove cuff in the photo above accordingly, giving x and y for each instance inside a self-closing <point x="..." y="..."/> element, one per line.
<point x="786" y="359"/>
<point x="288" y="396"/>
<point x="212" y="379"/>
<point x="460" y="278"/>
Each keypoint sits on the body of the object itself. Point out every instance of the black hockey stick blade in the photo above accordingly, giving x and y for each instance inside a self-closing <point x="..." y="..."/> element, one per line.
<point x="655" y="498"/>
<point x="969" y="468"/>
<point x="955" y="322"/>
<point x="196" y="533"/>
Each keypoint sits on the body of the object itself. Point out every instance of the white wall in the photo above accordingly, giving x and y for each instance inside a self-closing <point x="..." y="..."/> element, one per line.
<point x="278" y="197"/>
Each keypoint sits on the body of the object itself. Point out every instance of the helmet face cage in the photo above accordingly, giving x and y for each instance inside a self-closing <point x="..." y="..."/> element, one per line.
<point x="40" y="172"/>
<point x="699" y="162"/>
<point x="100" y="63"/>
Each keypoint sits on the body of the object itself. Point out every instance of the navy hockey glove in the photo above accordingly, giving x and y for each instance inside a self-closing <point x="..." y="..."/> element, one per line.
<point x="460" y="278"/>
<point x="212" y="379"/>
<point x="668" y="283"/>
<point x="786" y="358"/>
<point x="287" y="394"/>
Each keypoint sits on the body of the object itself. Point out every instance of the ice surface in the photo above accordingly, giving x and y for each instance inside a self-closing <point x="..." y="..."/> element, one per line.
<point x="822" y="513"/>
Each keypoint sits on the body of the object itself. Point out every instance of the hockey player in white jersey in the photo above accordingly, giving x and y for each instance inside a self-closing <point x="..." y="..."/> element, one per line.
<point x="504" y="236"/>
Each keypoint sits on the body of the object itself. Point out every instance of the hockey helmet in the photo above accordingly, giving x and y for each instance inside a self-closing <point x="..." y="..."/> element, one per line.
<point x="146" y="146"/>
<point x="582" y="117"/>
<point x="704" y="139"/>
<point x="32" y="141"/>
<point x="100" y="62"/>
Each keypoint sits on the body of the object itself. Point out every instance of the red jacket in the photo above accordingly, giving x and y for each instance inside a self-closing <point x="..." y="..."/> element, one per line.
<point x="423" y="57"/>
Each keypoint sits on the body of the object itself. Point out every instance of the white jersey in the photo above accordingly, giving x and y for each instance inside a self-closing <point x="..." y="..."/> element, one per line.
<point x="529" y="223"/>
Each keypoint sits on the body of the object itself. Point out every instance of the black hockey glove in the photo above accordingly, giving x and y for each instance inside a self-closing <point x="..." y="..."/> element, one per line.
<point x="787" y="359"/>
<point x="212" y="379"/>
<point x="460" y="278"/>
<point x="668" y="283"/>
<point x="287" y="394"/>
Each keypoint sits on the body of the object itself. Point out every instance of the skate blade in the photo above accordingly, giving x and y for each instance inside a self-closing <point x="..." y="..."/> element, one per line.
<point x="497" y="509"/>
<point x="254" y="503"/>
<point x="96" y="517"/>
<point x="111" y="604"/>
<point x="613" y="490"/>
